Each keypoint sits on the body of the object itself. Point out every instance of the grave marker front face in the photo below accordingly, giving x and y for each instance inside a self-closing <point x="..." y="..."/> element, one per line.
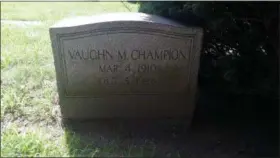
<point x="125" y="65"/>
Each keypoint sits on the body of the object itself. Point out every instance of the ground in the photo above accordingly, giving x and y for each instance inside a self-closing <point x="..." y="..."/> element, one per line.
<point x="30" y="116"/>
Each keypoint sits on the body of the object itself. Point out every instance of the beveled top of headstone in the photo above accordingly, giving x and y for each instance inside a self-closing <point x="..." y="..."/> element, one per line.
<point x="112" y="17"/>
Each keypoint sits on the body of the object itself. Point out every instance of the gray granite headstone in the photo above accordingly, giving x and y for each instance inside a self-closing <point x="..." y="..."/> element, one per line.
<point x="125" y="65"/>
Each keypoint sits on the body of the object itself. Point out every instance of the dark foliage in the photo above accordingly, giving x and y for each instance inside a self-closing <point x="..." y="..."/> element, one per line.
<point x="239" y="57"/>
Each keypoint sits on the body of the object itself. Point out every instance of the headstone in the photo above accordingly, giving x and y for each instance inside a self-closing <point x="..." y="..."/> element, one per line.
<point x="126" y="65"/>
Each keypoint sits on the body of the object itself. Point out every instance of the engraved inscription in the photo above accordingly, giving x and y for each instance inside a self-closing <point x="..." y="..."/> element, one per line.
<point x="99" y="54"/>
<point x="90" y="54"/>
<point x="95" y="54"/>
<point x="146" y="64"/>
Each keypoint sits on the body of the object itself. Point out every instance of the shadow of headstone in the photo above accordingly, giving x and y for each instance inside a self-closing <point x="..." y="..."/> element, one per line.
<point x="164" y="138"/>
<point x="109" y="137"/>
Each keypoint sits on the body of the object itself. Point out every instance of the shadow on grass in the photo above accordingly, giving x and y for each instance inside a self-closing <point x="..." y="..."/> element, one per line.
<point x="161" y="138"/>
<point x="235" y="130"/>
<point x="133" y="138"/>
<point x="230" y="133"/>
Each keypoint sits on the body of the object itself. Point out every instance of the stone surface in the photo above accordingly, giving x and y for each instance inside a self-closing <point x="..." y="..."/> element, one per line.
<point x="124" y="65"/>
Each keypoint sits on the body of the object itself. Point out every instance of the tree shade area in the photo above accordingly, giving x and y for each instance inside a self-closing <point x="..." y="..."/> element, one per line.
<point x="239" y="58"/>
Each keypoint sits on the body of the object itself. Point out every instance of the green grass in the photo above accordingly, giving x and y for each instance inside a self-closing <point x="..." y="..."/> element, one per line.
<point x="27" y="77"/>
<point x="52" y="11"/>
<point x="30" y="116"/>
<point x="30" y="143"/>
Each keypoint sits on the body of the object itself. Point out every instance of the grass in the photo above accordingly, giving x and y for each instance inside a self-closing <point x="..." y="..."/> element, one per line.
<point x="27" y="77"/>
<point x="30" y="116"/>
<point x="52" y="11"/>
<point x="30" y="143"/>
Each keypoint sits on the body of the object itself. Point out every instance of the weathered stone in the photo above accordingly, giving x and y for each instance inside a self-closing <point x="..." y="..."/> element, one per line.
<point x="124" y="65"/>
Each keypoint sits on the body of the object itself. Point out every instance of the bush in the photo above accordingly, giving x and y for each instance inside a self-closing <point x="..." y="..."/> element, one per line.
<point x="240" y="44"/>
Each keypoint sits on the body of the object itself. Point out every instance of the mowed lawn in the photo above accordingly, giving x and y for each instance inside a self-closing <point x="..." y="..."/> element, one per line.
<point x="30" y="116"/>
